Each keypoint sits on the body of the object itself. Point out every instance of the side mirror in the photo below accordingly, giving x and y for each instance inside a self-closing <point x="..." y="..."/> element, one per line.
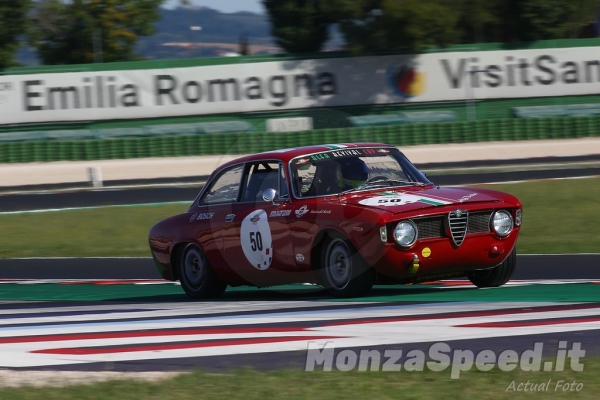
<point x="268" y="195"/>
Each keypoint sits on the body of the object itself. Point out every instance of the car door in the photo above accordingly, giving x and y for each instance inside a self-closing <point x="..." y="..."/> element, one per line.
<point x="256" y="239"/>
<point x="209" y="218"/>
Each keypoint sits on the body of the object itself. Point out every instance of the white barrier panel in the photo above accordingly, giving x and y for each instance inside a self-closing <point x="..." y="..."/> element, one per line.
<point x="289" y="124"/>
<point x="282" y="85"/>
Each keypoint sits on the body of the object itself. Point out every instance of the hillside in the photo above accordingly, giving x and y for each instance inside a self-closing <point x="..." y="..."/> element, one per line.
<point x="220" y="33"/>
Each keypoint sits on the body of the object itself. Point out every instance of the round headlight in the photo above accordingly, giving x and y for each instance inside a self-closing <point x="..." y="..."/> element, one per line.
<point x="502" y="223"/>
<point x="405" y="233"/>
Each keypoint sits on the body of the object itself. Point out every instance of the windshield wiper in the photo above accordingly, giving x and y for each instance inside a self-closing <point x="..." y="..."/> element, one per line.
<point x="383" y="180"/>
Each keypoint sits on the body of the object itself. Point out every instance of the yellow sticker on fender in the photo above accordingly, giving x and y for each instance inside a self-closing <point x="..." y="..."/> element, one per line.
<point x="426" y="252"/>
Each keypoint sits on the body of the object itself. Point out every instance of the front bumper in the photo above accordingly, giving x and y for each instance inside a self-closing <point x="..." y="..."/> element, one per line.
<point x="440" y="256"/>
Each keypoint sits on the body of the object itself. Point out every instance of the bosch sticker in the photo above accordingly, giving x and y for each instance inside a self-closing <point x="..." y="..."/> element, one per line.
<point x="204" y="216"/>
<point x="255" y="237"/>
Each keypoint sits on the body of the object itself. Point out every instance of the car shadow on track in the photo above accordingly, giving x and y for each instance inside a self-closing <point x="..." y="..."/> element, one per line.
<point x="378" y="294"/>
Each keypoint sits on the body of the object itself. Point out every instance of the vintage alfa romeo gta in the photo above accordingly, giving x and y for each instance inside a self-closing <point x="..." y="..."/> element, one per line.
<point x="343" y="216"/>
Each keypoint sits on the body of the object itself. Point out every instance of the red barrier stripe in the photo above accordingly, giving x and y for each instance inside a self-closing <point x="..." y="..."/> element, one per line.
<point x="519" y="324"/>
<point x="465" y="315"/>
<point x="176" y="346"/>
<point x="151" y="333"/>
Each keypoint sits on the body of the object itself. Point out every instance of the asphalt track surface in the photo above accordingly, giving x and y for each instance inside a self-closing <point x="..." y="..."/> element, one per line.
<point x="552" y="266"/>
<point x="113" y="314"/>
<point x="98" y="327"/>
<point x="186" y="189"/>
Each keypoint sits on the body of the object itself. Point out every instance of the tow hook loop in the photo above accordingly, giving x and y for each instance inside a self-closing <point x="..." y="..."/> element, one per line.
<point x="414" y="266"/>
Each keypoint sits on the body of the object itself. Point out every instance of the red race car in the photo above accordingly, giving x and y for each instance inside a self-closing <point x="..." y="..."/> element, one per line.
<point x="344" y="216"/>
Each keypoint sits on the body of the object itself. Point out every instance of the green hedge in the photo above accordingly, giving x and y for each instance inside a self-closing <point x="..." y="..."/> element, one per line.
<point x="253" y="142"/>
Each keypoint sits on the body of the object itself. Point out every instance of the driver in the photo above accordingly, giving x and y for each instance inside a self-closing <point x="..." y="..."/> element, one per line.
<point x="354" y="172"/>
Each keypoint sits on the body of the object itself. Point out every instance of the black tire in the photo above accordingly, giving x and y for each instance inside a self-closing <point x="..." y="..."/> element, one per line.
<point x="196" y="276"/>
<point x="496" y="276"/>
<point x="341" y="269"/>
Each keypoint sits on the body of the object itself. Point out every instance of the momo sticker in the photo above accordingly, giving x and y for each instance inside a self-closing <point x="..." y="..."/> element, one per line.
<point x="400" y="200"/>
<point x="301" y="211"/>
<point x="255" y="237"/>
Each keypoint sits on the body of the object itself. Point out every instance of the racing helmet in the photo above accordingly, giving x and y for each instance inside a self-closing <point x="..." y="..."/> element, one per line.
<point x="354" y="171"/>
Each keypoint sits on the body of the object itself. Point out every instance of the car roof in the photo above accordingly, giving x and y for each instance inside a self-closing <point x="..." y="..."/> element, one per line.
<point x="287" y="154"/>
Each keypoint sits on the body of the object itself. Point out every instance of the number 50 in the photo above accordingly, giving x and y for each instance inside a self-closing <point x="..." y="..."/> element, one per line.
<point x="256" y="241"/>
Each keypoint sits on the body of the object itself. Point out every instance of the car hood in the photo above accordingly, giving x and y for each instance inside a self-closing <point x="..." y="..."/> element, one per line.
<point x="397" y="200"/>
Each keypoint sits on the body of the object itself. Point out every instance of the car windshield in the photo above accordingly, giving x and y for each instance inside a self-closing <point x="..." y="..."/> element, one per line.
<point x="338" y="171"/>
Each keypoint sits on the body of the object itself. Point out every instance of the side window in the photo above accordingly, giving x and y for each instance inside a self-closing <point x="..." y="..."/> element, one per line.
<point x="258" y="177"/>
<point x="225" y="188"/>
<point x="283" y="186"/>
<point x="303" y="179"/>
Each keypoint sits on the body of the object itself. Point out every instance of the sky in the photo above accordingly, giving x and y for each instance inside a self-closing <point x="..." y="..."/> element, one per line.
<point x="226" y="6"/>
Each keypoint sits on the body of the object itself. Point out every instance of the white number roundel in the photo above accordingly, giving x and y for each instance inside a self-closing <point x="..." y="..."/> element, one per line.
<point x="255" y="236"/>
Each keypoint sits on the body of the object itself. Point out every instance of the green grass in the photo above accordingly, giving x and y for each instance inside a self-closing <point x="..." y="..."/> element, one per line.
<point x="559" y="216"/>
<point x="110" y="231"/>
<point x="287" y="384"/>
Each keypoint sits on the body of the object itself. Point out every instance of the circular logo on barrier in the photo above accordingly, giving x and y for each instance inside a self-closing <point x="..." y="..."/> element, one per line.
<point x="405" y="80"/>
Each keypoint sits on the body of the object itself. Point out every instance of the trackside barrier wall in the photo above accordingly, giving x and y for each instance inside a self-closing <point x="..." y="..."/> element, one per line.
<point x="253" y="142"/>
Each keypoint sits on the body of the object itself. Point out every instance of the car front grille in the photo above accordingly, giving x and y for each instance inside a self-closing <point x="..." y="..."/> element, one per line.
<point x="479" y="222"/>
<point x="433" y="227"/>
<point x="457" y="221"/>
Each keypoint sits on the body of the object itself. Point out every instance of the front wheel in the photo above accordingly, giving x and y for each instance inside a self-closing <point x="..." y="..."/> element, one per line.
<point x="496" y="276"/>
<point x="196" y="276"/>
<point x="342" y="271"/>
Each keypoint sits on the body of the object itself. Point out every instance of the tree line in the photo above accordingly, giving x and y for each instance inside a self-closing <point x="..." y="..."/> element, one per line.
<point x="412" y="25"/>
<point x="75" y="31"/>
<point x="86" y="31"/>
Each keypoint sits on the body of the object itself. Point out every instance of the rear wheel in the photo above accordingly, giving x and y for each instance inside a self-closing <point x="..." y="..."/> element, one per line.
<point x="496" y="276"/>
<point x="342" y="271"/>
<point x="196" y="276"/>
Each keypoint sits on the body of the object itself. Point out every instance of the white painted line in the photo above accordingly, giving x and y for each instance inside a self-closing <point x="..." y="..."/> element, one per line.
<point x="79" y="258"/>
<point x="104" y="188"/>
<point x="512" y="167"/>
<point x="529" y="180"/>
<point x="93" y="207"/>
<point x="561" y="254"/>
